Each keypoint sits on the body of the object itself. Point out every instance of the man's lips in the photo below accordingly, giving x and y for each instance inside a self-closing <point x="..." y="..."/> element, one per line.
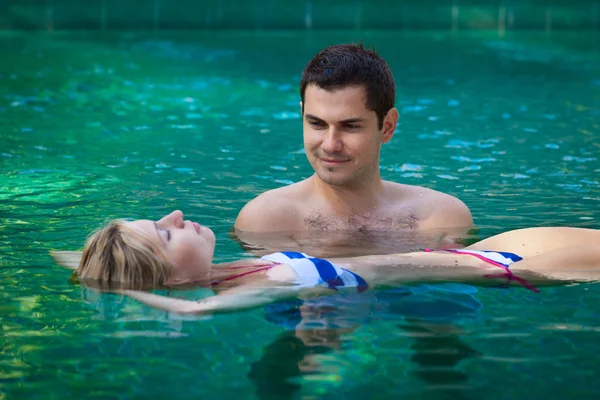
<point x="333" y="160"/>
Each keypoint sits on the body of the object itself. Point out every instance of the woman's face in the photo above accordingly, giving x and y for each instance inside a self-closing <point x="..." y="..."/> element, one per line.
<point x="188" y="245"/>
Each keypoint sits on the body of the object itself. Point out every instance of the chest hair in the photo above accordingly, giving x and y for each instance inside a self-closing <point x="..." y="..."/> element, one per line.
<point x="321" y="221"/>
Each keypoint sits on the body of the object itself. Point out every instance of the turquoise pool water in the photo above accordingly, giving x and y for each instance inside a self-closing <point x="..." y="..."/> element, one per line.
<point x="97" y="126"/>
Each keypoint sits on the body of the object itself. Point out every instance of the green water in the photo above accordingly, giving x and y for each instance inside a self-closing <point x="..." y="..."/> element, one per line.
<point x="97" y="126"/>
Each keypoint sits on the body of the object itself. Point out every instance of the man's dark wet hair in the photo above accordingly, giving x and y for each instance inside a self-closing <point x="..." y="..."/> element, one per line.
<point x="345" y="65"/>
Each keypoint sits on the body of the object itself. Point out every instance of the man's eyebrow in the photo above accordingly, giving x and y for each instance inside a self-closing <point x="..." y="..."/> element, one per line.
<point x="352" y="120"/>
<point x="310" y="116"/>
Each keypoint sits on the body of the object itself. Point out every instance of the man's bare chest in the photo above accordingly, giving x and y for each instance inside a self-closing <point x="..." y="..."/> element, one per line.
<point x="398" y="220"/>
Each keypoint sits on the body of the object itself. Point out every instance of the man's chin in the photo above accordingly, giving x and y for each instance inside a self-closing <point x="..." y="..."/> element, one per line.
<point x="333" y="179"/>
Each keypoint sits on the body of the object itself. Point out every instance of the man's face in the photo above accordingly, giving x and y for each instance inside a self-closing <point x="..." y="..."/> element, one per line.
<point x="342" y="139"/>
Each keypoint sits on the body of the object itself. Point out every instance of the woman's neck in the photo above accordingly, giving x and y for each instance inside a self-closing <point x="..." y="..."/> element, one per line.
<point x="247" y="262"/>
<point x="235" y="269"/>
<point x="219" y="271"/>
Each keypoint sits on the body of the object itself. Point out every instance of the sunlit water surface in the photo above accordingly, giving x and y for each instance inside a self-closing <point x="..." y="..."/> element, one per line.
<point x="98" y="126"/>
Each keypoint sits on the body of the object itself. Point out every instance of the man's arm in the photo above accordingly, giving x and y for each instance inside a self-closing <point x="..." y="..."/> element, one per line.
<point x="449" y="213"/>
<point x="267" y="213"/>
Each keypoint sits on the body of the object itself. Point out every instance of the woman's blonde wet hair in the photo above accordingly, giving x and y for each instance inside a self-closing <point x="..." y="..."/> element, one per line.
<point x="120" y="257"/>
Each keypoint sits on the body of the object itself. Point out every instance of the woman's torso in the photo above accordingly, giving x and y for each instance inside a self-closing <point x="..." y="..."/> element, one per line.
<point x="530" y="242"/>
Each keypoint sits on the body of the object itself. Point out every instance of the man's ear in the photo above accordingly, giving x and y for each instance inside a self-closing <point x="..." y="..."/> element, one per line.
<point x="389" y="125"/>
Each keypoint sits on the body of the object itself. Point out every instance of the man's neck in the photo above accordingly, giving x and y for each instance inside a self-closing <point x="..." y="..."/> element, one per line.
<point x="359" y="198"/>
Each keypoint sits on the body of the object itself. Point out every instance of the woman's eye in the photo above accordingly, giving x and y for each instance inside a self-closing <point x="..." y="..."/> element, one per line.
<point x="166" y="234"/>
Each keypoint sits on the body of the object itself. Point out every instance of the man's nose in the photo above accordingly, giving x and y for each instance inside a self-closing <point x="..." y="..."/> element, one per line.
<point x="332" y="142"/>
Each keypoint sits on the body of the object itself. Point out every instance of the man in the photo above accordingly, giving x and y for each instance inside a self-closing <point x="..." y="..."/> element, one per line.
<point x="345" y="208"/>
<point x="348" y="112"/>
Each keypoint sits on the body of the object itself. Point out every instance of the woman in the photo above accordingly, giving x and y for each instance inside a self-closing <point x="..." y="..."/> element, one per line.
<point x="143" y="254"/>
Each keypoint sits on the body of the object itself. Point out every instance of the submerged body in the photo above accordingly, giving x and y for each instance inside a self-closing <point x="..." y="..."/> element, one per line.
<point x="530" y="257"/>
<point x="523" y="257"/>
<point x="542" y="254"/>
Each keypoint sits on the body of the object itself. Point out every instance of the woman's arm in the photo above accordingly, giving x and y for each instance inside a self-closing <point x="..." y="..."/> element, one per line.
<point x="416" y="267"/>
<point x="556" y="267"/>
<point x="227" y="301"/>
<point x="219" y="303"/>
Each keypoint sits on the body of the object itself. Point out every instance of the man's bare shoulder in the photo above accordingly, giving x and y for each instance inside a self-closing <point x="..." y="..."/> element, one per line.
<point x="272" y="211"/>
<point x="435" y="209"/>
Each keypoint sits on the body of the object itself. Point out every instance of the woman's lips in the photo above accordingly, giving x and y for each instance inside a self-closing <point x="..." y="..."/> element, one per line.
<point x="197" y="227"/>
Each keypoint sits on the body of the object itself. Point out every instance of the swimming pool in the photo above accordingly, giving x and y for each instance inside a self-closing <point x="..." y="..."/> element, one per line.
<point x="102" y="125"/>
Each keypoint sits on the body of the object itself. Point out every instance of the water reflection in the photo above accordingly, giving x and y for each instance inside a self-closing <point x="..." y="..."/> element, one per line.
<point x="426" y="313"/>
<point x="429" y="315"/>
<point x="438" y="352"/>
<point x="283" y="361"/>
<point x="313" y="328"/>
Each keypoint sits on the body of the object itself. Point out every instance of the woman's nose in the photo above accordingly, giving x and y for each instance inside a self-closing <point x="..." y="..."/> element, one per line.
<point x="173" y="219"/>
